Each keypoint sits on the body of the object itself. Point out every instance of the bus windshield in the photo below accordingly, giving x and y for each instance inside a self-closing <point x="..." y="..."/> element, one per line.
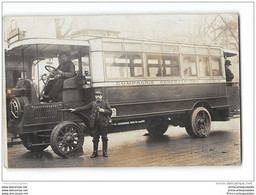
<point x="35" y="58"/>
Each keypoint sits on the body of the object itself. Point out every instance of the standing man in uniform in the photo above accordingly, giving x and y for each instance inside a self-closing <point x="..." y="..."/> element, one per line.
<point x="229" y="74"/>
<point x="65" y="70"/>
<point x="99" y="122"/>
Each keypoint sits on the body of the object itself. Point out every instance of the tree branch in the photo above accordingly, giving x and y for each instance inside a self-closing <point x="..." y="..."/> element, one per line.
<point x="69" y="28"/>
<point x="230" y="30"/>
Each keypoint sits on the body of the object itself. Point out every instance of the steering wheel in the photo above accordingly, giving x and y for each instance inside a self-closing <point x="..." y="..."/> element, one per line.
<point x="50" y="68"/>
<point x="51" y="71"/>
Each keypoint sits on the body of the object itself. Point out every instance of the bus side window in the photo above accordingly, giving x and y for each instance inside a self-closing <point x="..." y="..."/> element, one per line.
<point x="216" y="66"/>
<point x="116" y="65"/>
<point x="135" y="65"/>
<point x="204" y="66"/>
<point x="153" y="66"/>
<point x="170" y="66"/>
<point x="189" y="66"/>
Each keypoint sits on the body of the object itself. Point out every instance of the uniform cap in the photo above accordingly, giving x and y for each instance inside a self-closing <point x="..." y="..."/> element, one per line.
<point x="98" y="93"/>
<point x="227" y="62"/>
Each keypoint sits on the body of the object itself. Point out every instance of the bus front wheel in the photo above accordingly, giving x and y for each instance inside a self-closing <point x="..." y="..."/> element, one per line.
<point x="157" y="127"/>
<point x="66" y="137"/>
<point x="199" y="123"/>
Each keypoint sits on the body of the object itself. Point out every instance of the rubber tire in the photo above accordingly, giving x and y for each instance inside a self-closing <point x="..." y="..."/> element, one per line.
<point x="157" y="128"/>
<point x="190" y="128"/>
<point x="26" y="138"/>
<point x="54" y="137"/>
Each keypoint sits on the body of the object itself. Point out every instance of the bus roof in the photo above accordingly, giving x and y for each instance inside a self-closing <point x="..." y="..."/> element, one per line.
<point x="229" y="53"/>
<point x="40" y="47"/>
<point x="33" y="41"/>
<point x="83" y="41"/>
<point x="120" y="39"/>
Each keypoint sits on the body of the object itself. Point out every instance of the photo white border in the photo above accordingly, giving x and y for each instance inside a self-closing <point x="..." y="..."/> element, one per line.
<point x="245" y="172"/>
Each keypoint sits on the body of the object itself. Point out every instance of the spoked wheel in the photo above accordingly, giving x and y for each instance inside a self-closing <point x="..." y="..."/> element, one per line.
<point x="199" y="124"/>
<point x="50" y="68"/>
<point x="32" y="142"/>
<point x="66" y="137"/>
<point x="157" y="127"/>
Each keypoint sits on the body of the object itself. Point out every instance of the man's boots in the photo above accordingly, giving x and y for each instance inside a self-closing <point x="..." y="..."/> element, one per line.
<point x="105" y="148"/>
<point x="95" y="150"/>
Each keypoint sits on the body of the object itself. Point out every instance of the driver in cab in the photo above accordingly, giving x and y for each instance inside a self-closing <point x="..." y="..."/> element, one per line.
<point x="65" y="70"/>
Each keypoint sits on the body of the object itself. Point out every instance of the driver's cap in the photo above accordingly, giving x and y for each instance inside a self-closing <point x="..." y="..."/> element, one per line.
<point x="63" y="53"/>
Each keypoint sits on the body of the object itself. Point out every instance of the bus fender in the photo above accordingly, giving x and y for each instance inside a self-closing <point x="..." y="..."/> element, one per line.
<point x="204" y="104"/>
<point x="84" y="119"/>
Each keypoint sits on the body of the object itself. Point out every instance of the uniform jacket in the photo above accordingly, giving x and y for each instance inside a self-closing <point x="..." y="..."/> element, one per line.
<point x="99" y="117"/>
<point x="68" y="69"/>
<point x="229" y="74"/>
<point x="56" y="86"/>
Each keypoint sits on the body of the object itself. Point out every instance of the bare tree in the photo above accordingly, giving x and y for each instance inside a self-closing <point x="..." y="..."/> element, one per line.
<point x="221" y="30"/>
<point x="59" y="27"/>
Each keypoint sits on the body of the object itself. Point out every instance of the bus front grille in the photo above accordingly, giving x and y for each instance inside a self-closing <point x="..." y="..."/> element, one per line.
<point x="46" y="111"/>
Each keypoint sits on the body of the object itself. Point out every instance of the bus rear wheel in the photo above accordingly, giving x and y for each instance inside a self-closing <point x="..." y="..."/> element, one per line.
<point x="157" y="127"/>
<point x="29" y="139"/>
<point x="199" y="124"/>
<point x="66" y="137"/>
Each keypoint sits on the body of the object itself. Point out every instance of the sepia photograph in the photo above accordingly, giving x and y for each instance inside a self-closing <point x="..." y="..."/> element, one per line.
<point x="128" y="97"/>
<point x="124" y="90"/>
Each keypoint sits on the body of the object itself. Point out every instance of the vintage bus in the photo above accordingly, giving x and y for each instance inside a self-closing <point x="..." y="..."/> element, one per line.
<point x="148" y="83"/>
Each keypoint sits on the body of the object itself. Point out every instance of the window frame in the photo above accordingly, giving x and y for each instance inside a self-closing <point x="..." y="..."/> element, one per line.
<point x="210" y="69"/>
<point x="196" y="65"/>
<point x="160" y="57"/>
<point x="178" y="58"/>
<point x="129" y="77"/>
<point x="221" y="67"/>
<point x="193" y="53"/>
<point x="146" y="64"/>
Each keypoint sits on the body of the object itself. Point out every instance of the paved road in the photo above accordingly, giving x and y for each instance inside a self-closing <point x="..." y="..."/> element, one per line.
<point x="132" y="148"/>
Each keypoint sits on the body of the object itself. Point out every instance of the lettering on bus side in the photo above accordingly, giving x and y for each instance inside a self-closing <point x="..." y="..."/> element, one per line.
<point x="171" y="82"/>
<point x="167" y="82"/>
<point x="124" y="83"/>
